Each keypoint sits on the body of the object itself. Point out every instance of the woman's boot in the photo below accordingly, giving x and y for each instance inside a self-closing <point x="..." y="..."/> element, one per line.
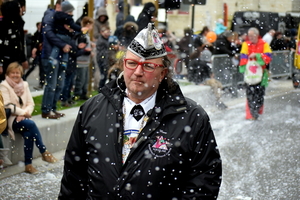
<point x="48" y="157"/>
<point x="3" y="156"/>
<point x="30" y="169"/>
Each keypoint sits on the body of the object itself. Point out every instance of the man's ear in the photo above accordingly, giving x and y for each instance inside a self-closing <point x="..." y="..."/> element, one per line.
<point x="164" y="73"/>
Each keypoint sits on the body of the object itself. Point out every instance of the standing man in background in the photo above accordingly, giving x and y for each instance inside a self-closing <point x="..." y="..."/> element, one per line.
<point x="55" y="73"/>
<point x="148" y="15"/>
<point x="268" y="37"/>
<point x="257" y="49"/>
<point x="12" y="45"/>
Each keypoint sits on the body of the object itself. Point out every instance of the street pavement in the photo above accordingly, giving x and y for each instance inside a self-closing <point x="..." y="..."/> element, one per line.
<point x="260" y="158"/>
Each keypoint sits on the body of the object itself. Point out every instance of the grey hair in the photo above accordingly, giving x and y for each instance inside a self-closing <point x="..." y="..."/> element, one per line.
<point x="254" y="30"/>
<point x="169" y="76"/>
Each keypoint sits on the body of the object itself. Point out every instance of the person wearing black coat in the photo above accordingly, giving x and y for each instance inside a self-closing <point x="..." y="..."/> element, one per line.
<point x="70" y="73"/>
<point x="85" y="12"/>
<point x="146" y="16"/>
<point x="36" y="56"/>
<point x="278" y="43"/>
<point x="54" y="75"/>
<point x="184" y="46"/>
<point x="224" y="44"/>
<point x="140" y="138"/>
<point x="12" y="45"/>
<point x="126" y="33"/>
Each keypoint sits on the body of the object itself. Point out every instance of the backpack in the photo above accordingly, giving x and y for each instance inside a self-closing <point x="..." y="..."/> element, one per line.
<point x="253" y="73"/>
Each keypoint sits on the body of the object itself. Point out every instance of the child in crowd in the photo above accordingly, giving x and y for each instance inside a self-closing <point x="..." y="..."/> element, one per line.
<point x="115" y="70"/>
<point x="83" y="61"/>
<point x="64" y="25"/>
<point x="102" y="46"/>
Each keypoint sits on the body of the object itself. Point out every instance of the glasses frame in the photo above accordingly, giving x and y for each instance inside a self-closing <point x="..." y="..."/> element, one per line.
<point x="142" y="64"/>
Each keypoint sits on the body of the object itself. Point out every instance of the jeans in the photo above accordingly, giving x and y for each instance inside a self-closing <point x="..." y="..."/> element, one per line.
<point x="81" y="81"/>
<point x="57" y="54"/>
<point x="31" y="134"/>
<point x="55" y="77"/>
<point x="69" y="80"/>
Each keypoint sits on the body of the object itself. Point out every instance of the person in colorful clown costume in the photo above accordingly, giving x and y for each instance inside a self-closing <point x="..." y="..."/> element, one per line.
<point x="140" y="138"/>
<point x="257" y="49"/>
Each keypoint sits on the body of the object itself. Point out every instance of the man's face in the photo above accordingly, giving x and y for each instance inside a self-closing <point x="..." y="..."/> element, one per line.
<point x="23" y="10"/>
<point x="253" y="37"/>
<point x="141" y="84"/>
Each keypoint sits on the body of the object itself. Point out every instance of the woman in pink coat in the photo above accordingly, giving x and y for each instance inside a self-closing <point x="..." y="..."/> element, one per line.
<point x="16" y="92"/>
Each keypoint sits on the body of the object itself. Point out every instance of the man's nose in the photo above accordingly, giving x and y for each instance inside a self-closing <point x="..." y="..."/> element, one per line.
<point x="139" y="69"/>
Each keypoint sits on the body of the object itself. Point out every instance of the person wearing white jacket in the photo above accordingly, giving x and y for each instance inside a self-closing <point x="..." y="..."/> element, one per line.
<point x="16" y="92"/>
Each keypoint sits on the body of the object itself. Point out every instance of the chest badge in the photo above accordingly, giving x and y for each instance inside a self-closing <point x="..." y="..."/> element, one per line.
<point x="160" y="147"/>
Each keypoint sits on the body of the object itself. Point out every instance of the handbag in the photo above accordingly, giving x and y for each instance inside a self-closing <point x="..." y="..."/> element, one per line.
<point x="8" y="114"/>
<point x="253" y="73"/>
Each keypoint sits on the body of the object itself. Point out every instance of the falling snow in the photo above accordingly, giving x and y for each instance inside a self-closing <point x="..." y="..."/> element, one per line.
<point x="260" y="158"/>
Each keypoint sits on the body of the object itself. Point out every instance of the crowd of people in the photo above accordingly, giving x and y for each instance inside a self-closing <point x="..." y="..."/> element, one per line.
<point x="62" y="49"/>
<point x="198" y="58"/>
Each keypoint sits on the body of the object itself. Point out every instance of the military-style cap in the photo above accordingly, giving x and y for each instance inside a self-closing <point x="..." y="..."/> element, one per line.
<point x="147" y="44"/>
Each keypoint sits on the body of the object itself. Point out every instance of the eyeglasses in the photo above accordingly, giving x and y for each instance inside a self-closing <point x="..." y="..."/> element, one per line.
<point x="146" y="66"/>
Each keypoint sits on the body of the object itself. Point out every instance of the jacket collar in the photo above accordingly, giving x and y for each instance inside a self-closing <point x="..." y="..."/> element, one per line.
<point x="169" y="98"/>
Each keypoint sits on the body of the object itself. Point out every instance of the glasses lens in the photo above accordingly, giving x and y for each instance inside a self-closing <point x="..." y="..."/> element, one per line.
<point x="149" y="67"/>
<point x="131" y="64"/>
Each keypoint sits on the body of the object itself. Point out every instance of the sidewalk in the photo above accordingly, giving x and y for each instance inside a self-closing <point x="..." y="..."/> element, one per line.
<point x="56" y="133"/>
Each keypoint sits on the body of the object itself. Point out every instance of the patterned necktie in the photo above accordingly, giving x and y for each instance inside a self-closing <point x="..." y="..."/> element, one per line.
<point x="137" y="112"/>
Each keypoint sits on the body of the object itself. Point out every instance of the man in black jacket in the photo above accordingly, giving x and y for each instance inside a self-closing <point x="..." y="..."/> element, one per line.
<point x="55" y="72"/>
<point x="140" y="138"/>
<point x="148" y="15"/>
<point x="12" y="43"/>
<point x="225" y="44"/>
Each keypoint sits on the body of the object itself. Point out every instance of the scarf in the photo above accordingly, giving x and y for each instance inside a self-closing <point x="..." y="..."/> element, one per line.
<point x="18" y="87"/>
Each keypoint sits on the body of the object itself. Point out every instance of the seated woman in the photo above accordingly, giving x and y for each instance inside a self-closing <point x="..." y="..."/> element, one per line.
<point x="16" y="91"/>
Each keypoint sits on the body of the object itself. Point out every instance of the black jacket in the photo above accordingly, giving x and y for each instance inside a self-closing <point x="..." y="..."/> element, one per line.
<point x="278" y="45"/>
<point x="189" y="168"/>
<point x="145" y="16"/>
<point x="200" y="71"/>
<point x="61" y="19"/>
<point x="49" y="37"/>
<point x="12" y="40"/>
<point x="102" y="47"/>
<point x="223" y="46"/>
